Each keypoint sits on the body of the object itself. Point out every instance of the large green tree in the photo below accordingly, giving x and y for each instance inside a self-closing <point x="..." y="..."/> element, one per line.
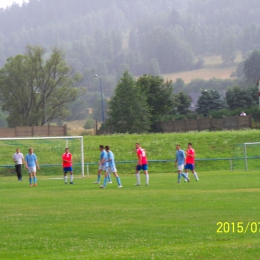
<point x="159" y="95"/>
<point x="238" y="97"/>
<point x="36" y="87"/>
<point x="183" y="102"/>
<point x="208" y="101"/>
<point x="252" y="67"/>
<point x="128" y="109"/>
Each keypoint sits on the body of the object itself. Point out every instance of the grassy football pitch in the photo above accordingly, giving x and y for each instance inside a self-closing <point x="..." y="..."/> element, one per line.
<point x="215" y="218"/>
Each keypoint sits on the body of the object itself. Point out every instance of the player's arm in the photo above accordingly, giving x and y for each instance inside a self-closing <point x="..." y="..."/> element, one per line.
<point x="188" y="154"/>
<point x="37" y="164"/>
<point x="103" y="160"/>
<point x="184" y="158"/>
<point x="64" y="160"/>
<point x="176" y="160"/>
<point x="139" y="159"/>
<point x="26" y="163"/>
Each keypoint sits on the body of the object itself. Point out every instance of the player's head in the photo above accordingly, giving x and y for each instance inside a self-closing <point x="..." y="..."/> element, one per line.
<point x="178" y="146"/>
<point x="189" y="145"/>
<point x="137" y="145"/>
<point x="30" y="150"/>
<point x="107" y="148"/>
<point x="101" y="147"/>
<point x="18" y="150"/>
<point x="66" y="150"/>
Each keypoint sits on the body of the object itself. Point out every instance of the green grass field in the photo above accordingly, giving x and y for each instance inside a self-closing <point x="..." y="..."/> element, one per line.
<point x="165" y="220"/>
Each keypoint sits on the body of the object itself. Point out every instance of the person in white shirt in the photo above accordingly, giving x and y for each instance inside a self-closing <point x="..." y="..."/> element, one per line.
<point x="19" y="161"/>
<point x="243" y="113"/>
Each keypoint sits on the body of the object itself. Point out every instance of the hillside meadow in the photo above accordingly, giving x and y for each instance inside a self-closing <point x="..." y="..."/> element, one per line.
<point x="208" y="145"/>
<point x="212" y="68"/>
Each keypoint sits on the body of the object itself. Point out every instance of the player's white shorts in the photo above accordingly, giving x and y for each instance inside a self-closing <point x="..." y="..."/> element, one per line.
<point x="180" y="167"/>
<point x="111" y="169"/>
<point x="102" y="167"/>
<point x="32" y="169"/>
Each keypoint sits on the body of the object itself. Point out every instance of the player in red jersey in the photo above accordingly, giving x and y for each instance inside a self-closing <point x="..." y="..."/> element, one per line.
<point x="190" y="161"/>
<point x="67" y="165"/>
<point x="142" y="164"/>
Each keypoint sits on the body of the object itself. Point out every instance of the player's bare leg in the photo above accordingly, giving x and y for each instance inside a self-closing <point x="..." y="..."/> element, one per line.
<point x="195" y="175"/>
<point x="146" y="177"/>
<point x="71" y="178"/>
<point x="118" y="179"/>
<point x="98" y="176"/>
<point x="137" y="175"/>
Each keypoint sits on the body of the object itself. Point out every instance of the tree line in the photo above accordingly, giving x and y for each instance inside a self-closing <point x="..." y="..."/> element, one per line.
<point x="35" y="90"/>
<point x="137" y="105"/>
<point x="143" y="37"/>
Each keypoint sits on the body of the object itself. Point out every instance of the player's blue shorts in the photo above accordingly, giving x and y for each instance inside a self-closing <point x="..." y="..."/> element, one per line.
<point x="67" y="169"/>
<point x="189" y="166"/>
<point x="143" y="167"/>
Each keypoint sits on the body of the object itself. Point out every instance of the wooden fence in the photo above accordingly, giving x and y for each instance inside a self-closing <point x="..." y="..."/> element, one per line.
<point x="27" y="131"/>
<point x="199" y="124"/>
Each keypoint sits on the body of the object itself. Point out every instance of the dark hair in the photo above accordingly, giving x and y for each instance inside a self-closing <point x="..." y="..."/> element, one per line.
<point x="178" y="145"/>
<point x="190" y="144"/>
<point x="107" y="147"/>
<point x="101" y="146"/>
<point x="66" y="148"/>
<point x="137" y="143"/>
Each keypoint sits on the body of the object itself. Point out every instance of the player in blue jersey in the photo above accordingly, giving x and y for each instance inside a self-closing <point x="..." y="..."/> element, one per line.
<point x="30" y="164"/>
<point x="180" y="161"/>
<point x="102" y="164"/>
<point x="111" y="168"/>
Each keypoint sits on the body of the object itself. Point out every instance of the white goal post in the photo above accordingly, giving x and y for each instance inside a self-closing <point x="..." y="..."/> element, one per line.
<point x="55" y="137"/>
<point x="245" y="153"/>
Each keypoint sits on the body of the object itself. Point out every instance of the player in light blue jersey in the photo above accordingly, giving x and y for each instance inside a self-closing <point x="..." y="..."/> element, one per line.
<point x="102" y="164"/>
<point x="30" y="164"/>
<point x="180" y="161"/>
<point x="111" y="168"/>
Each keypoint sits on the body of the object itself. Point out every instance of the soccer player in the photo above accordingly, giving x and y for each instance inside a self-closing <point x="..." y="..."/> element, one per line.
<point x="190" y="161"/>
<point x="180" y="161"/>
<point x="142" y="164"/>
<point x="30" y="164"/>
<point x="102" y="164"/>
<point x="111" y="168"/>
<point x="19" y="161"/>
<point x="67" y="166"/>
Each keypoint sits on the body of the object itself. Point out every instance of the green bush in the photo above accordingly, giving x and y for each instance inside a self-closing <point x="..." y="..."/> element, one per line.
<point x="89" y="123"/>
<point x="255" y="111"/>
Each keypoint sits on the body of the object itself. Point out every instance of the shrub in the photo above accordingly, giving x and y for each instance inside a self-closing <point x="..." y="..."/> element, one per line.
<point x="89" y="123"/>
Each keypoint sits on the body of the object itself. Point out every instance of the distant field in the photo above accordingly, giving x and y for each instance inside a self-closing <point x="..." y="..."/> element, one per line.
<point x="212" y="69"/>
<point x="76" y="127"/>
<point x="216" y="218"/>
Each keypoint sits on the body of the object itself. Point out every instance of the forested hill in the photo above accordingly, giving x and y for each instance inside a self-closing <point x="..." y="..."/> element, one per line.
<point x="68" y="22"/>
<point x="143" y="35"/>
<point x="106" y="37"/>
